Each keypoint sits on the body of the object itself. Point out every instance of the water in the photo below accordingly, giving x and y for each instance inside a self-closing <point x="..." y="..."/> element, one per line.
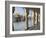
<point x="20" y="26"/>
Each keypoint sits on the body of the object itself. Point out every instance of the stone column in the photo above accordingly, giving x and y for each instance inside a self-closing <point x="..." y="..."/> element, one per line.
<point x="32" y="17"/>
<point x="35" y="17"/>
<point x="27" y="11"/>
<point x="25" y="14"/>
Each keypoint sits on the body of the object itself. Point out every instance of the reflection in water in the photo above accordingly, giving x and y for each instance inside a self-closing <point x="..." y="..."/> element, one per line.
<point x="20" y="26"/>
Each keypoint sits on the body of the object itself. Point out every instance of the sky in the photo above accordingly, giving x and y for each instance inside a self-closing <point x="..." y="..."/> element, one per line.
<point x="20" y="10"/>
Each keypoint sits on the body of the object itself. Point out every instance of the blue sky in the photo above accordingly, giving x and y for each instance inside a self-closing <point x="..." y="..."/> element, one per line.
<point x="21" y="10"/>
